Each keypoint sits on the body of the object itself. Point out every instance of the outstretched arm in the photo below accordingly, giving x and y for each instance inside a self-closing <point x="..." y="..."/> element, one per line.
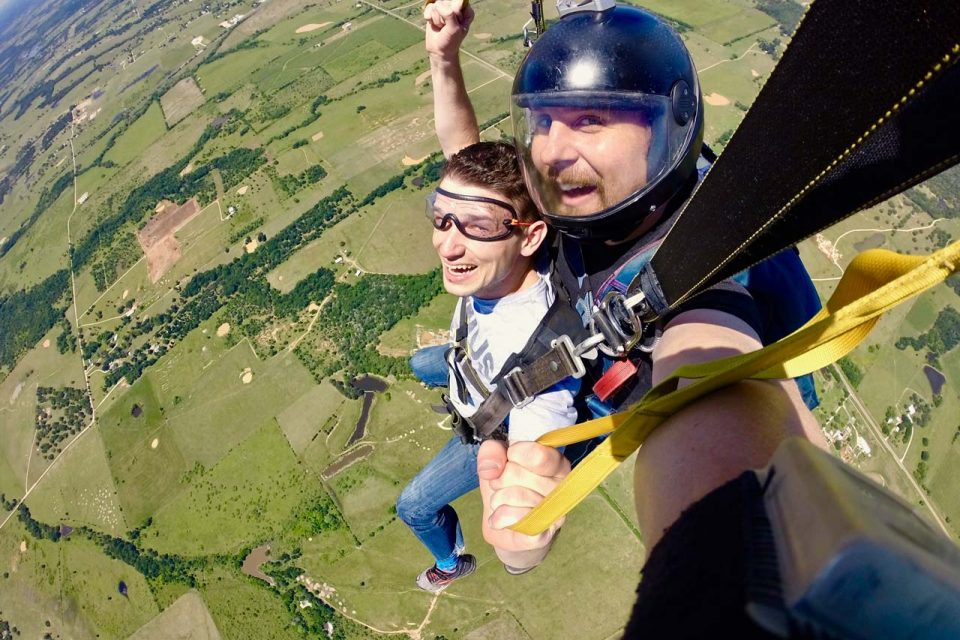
<point x="447" y="23"/>
<point x="693" y="452"/>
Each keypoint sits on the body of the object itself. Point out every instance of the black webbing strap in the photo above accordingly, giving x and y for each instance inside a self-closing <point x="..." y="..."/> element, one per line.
<point x="864" y="104"/>
<point x="546" y="360"/>
<point x="521" y="385"/>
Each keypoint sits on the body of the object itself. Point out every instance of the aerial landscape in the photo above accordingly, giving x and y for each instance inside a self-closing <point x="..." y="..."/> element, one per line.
<point x="214" y="267"/>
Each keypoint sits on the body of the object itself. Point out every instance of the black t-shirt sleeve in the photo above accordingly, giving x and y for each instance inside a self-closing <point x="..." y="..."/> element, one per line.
<point x="694" y="584"/>
<point x="728" y="297"/>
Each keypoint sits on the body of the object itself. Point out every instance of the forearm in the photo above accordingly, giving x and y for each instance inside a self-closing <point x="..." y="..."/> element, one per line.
<point x="719" y="436"/>
<point x="454" y="119"/>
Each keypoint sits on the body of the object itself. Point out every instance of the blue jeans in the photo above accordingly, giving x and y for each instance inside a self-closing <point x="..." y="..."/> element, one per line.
<point x="430" y="367"/>
<point x="424" y="504"/>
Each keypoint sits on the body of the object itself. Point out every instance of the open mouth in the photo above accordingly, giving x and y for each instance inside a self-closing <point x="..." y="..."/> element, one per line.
<point x="459" y="269"/>
<point x="577" y="191"/>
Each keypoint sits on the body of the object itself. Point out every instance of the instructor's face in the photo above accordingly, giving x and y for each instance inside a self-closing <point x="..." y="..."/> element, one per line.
<point x="588" y="160"/>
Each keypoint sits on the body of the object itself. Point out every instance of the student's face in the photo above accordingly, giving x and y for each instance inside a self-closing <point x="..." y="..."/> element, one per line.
<point x="588" y="160"/>
<point x="490" y="269"/>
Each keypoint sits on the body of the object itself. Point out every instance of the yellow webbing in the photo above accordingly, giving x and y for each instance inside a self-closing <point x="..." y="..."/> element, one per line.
<point x="876" y="281"/>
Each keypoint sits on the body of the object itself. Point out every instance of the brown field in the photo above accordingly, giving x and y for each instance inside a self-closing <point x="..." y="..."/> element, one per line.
<point x="157" y="239"/>
<point x="180" y="101"/>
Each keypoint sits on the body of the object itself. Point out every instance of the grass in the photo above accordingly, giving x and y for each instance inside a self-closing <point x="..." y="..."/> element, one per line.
<point x="302" y="420"/>
<point x="139" y="136"/>
<point x="79" y="490"/>
<point x="70" y="585"/>
<point x="187" y="615"/>
<point x="90" y="580"/>
<point x="233" y="70"/>
<point x="41" y="251"/>
<point x="146" y="477"/>
<point x="741" y="25"/>
<point x="692" y="12"/>
<point x="244" y="607"/>
<point x="244" y="498"/>
<point x="43" y="366"/>
<point x="180" y="101"/>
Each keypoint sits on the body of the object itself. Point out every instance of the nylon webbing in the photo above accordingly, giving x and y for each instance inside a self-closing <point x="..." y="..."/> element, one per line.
<point x="876" y="281"/>
<point x="864" y="104"/>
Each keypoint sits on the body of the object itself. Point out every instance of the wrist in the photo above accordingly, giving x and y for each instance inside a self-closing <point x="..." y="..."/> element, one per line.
<point x="444" y="60"/>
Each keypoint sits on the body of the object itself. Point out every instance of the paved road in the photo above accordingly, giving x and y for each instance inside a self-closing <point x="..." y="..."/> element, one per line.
<point x="872" y="425"/>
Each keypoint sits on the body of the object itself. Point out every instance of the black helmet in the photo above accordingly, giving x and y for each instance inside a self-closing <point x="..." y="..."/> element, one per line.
<point x="608" y="120"/>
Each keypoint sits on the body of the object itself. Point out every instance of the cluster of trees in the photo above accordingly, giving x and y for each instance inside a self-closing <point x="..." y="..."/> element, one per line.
<point x="290" y="184"/>
<point x="65" y="341"/>
<point x="940" y="196"/>
<point x="317" y="516"/>
<point x="786" y="12"/>
<point x="850" y="369"/>
<point x="245" y="229"/>
<point x="37" y="529"/>
<point x="358" y="314"/>
<point x="61" y="413"/>
<point x="770" y="47"/>
<point x="25" y="316"/>
<point x="8" y="504"/>
<point x="943" y="336"/>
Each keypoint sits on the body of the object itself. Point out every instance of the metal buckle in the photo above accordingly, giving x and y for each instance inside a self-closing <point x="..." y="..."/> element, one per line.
<point x="569" y="353"/>
<point x="515" y="391"/>
<point x="617" y="321"/>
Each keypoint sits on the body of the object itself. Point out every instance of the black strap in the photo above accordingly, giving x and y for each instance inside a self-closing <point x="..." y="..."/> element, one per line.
<point x="864" y="104"/>
<point x="540" y="365"/>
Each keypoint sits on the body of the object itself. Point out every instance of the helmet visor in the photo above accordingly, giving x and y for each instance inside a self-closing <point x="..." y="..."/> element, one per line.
<point x="585" y="153"/>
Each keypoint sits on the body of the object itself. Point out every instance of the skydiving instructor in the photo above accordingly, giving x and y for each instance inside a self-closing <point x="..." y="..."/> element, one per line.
<point x="608" y="127"/>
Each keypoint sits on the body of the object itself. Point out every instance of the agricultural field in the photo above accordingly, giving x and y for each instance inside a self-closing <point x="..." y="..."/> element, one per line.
<point x="178" y="394"/>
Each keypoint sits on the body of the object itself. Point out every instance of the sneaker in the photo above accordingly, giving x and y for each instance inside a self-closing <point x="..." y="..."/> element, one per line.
<point x="435" y="580"/>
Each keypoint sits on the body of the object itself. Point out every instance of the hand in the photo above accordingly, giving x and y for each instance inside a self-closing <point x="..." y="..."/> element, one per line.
<point x="447" y="24"/>
<point x="512" y="481"/>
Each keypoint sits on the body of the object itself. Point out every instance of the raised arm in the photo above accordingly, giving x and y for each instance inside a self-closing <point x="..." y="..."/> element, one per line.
<point x="447" y="23"/>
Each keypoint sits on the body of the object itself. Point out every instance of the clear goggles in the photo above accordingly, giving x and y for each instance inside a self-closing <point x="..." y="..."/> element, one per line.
<point x="477" y="217"/>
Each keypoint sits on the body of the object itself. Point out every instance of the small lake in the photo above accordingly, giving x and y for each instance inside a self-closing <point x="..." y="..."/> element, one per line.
<point x="254" y="560"/>
<point x="935" y="378"/>
<point x="370" y="387"/>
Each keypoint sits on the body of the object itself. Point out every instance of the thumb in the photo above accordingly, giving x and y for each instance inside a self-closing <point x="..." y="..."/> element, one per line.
<point x="491" y="459"/>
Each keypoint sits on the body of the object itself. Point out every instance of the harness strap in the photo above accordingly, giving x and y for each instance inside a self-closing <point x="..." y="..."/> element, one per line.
<point x="876" y="281"/>
<point x="876" y="85"/>
<point x="547" y="359"/>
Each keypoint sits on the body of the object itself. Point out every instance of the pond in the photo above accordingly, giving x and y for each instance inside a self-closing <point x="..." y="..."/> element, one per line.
<point x="370" y="387"/>
<point x="254" y="560"/>
<point x="935" y="378"/>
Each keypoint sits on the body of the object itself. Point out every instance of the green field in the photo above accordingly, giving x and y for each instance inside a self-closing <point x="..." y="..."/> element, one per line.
<point x="227" y="442"/>
<point x="139" y="136"/>
<point x="243" y="499"/>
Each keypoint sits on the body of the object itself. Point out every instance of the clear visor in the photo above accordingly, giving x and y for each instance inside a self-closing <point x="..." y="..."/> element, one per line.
<point x="583" y="153"/>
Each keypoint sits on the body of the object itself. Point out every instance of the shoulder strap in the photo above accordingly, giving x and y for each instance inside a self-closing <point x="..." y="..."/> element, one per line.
<point x="547" y="359"/>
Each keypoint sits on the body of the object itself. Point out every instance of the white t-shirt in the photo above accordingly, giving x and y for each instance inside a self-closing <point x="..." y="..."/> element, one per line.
<point x="496" y="329"/>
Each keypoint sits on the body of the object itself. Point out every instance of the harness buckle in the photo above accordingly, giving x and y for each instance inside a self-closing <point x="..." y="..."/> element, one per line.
<point x="571" y="355"/>
<point x="616" y="318"/>
<point x="513" y="387"/>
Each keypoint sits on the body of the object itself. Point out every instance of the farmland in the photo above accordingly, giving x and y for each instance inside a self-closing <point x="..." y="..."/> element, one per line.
<point x="217" y="409"/>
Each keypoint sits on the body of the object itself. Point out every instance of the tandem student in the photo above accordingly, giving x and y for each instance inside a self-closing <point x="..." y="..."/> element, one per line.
<point x="487" y="234"/>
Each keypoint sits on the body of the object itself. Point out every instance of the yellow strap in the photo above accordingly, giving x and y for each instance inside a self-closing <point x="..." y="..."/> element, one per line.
<point x="876" y="281"/>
